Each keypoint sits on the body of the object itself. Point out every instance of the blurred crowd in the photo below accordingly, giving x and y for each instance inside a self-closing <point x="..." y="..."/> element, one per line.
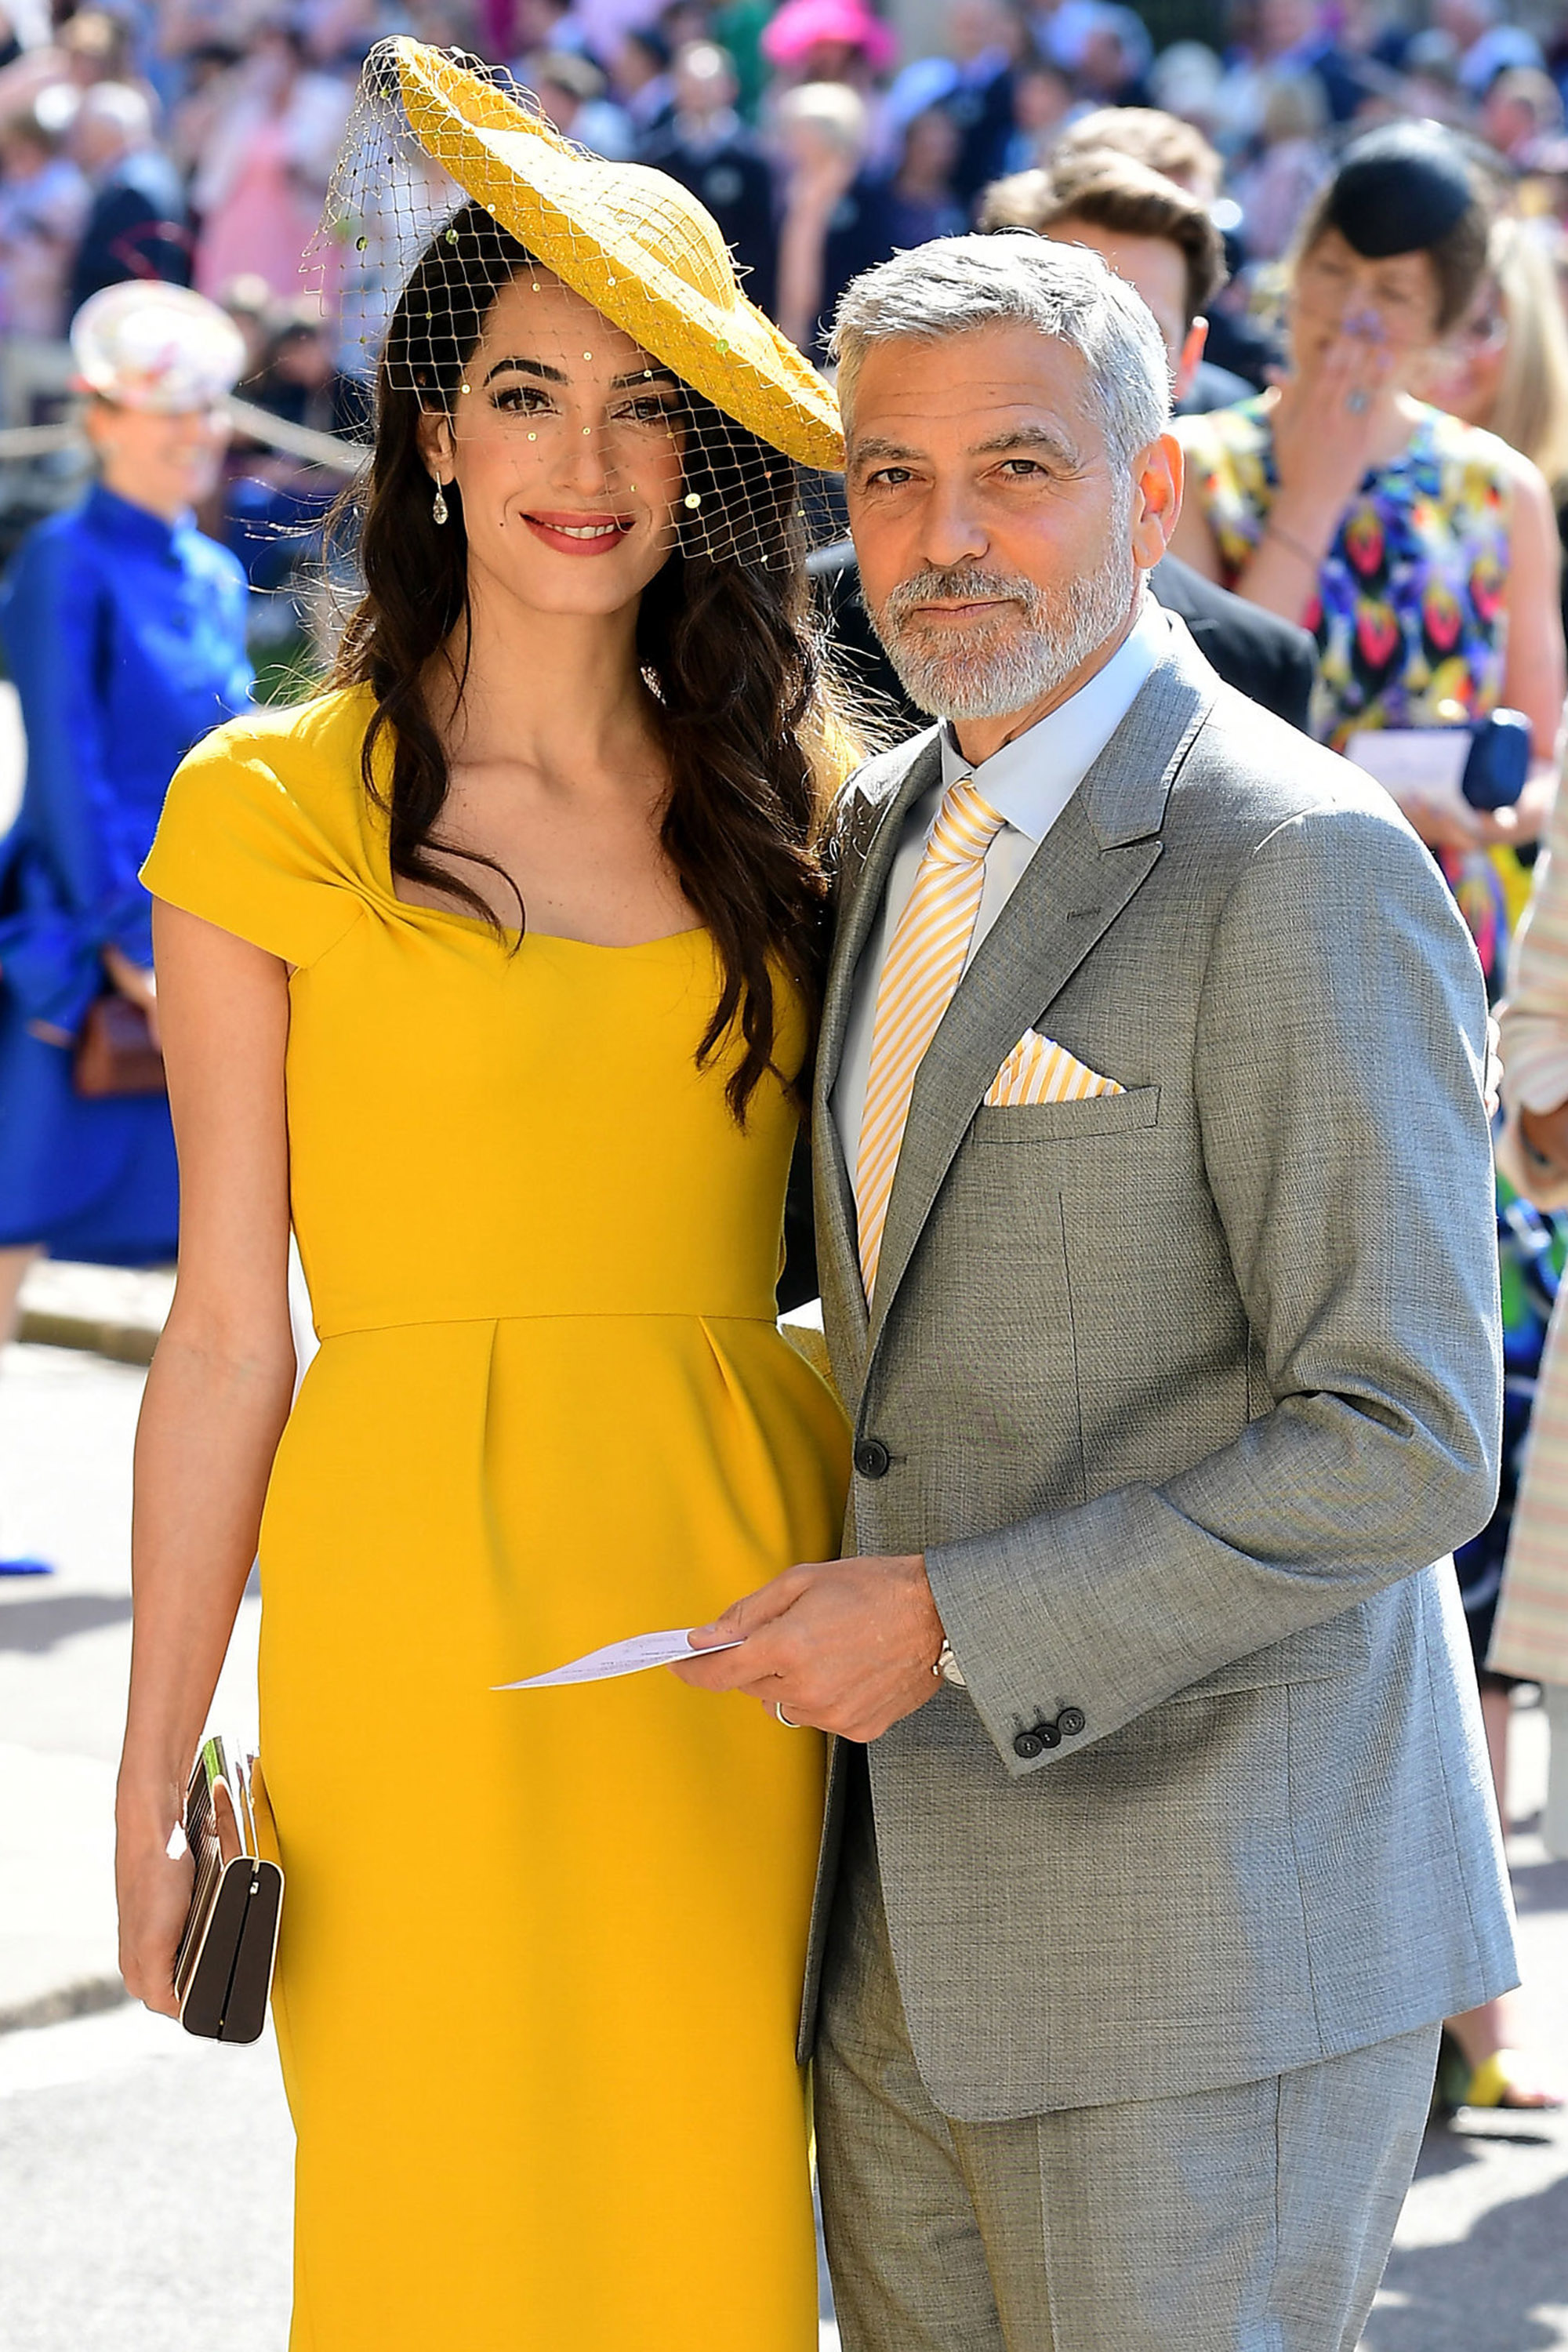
<point x="193" y="141"/>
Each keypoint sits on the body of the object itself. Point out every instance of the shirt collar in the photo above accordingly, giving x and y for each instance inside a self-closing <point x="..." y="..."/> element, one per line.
<point x="1030" y="781"/>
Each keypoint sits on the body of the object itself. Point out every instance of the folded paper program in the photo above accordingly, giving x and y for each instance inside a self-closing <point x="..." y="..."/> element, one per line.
<point x="1039" y="1070"/>
<point x="629" y="1658"/>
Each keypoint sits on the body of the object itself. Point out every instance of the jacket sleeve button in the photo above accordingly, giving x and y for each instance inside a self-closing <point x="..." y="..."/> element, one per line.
<point x="1071" y="1721"/>
<point x="1028" y="1745"/>
<point x="872" y="1458"/>
<point x="1048" y="1733"/>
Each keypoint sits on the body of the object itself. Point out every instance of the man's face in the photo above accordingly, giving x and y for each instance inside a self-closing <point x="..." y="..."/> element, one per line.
<point x="999" y="545"/>
<point x="1157" y="269"/>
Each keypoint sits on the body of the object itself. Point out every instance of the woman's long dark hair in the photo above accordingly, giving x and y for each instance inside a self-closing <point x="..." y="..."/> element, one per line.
<point x="740" y="695"/>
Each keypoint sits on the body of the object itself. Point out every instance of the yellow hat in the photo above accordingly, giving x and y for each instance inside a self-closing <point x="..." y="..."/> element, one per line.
<point x="631" y="241"/>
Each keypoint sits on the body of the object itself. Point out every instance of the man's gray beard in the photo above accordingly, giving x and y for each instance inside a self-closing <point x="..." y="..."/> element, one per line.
<point x="997" y="669"/>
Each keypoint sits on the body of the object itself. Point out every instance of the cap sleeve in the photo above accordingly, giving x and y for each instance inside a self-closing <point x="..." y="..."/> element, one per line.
<point x="242" y="843"/>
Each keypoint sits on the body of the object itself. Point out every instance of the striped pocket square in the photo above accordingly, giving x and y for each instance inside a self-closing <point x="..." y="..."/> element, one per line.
<point x="1039" y="1070"/>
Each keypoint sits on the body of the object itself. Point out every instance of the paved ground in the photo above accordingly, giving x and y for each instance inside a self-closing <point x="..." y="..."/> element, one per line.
<point x="145" y="2176"/>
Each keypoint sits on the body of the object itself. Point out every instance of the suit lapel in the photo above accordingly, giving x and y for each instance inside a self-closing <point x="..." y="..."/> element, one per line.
<point x="1098" y="852"/>
<point x="867" y="860"/>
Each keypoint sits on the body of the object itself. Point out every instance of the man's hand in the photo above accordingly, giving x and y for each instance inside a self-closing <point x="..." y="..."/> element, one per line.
<point x="847" y="1646"/>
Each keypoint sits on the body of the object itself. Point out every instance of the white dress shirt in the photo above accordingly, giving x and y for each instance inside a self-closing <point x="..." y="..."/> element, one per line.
<point x="1029" y="781"/>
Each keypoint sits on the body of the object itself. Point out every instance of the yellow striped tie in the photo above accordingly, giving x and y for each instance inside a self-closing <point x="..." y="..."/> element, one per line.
<point x="924" y="965"/>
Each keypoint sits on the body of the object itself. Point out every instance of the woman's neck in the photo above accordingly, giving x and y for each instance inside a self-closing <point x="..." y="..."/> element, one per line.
<point x="560" y="693"/>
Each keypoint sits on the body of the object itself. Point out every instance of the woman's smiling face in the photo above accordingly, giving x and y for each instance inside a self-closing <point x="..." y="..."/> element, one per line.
<point x="564" y="443"/>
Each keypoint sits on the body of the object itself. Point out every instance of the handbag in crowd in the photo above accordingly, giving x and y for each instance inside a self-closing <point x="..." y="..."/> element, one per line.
<point x="115" y="1053"/>
<point x="222" y="1970"/>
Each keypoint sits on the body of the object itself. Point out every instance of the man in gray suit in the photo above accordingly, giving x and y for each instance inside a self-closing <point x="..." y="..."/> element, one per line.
<point x="1154" y="1219"/>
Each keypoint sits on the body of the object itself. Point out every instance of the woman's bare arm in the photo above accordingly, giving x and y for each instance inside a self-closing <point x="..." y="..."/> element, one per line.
<point x="1533" y="678"/>
<point x="217" y="1396"/>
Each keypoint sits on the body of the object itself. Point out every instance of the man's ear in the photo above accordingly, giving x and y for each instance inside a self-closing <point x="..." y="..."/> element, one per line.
<point x="1187" y="365"/>
<point x="435" y="437"/>
<point x="1156" y="499"/>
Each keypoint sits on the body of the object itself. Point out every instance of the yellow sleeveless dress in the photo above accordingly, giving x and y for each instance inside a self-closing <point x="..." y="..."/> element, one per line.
<point x="541" y="1951"/>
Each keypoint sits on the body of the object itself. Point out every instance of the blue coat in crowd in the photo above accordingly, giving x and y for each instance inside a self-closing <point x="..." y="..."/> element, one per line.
<point x="126" y="641"/>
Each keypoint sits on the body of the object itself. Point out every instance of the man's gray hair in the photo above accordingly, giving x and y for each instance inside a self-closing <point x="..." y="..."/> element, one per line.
<point x="959" y="283"/>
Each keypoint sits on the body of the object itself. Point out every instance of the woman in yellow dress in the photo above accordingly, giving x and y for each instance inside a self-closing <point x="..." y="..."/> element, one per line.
<point x="493" y="970"/>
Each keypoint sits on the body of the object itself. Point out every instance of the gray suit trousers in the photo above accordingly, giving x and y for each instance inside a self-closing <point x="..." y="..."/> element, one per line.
<point x="1256" y="2217"/>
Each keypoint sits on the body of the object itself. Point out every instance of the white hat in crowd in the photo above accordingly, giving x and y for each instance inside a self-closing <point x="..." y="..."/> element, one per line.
<point x="151" y="346"/>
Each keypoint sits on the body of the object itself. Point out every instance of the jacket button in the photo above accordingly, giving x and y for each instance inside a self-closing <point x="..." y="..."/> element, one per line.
<point x="1071" y="1721"/>
<point x="872" y="1458"/>
<point x="1028" y="1745"/>
<point x="1047" y="1733"/>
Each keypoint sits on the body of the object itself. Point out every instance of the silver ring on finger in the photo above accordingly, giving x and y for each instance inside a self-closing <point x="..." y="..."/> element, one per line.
<point x="1358" y="403"/>
<point x="788" y="1722"/>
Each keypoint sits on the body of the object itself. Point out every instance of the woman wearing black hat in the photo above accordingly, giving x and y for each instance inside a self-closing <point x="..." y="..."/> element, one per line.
<point x="1421" y="552"/>
<point x="1424" y="555"/>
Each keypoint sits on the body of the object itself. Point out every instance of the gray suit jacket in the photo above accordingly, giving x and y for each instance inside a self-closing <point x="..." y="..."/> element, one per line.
<point x="1181" y="1390"/>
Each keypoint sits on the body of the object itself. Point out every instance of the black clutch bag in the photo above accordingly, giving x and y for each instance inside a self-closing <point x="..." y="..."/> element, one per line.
<point x="223" y="1969"/>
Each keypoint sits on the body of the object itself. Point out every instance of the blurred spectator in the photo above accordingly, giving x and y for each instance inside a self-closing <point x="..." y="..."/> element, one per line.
<point x="99" y="47"/>
<point x="922" y="197"/>
<point x="1505" y="366"/>
<point x="136" y="224"/>
<point x="1160" y="141"/>
<point x="972" y="81"/>
<point x="1237" y="354"/>
<point x="1429" y="68"/>
<point x="1107" y="47"/>
<point x="836" y="216"/>
<point x="709" y="150"/>
<point x="1187" y="79"/>
<point x="572" y="91"/>
<point x="829" y="41"/>
<point x="91" y="47"/>
<point x="1153" y="234"/>
<point x="640" y="80"/>
<point x="251" y="304"/>
<point x="1043" y="100"/>
<point x="1296" y="36"/>
<point x="125" y="632"/>
<point x="1522" y="108"/>
<point x="1275" y="189"/>
<point x="264" y="169"/>
<point x="299" y="380"/>
<point x="44" y="201"/>
<point x="1485" y="42"/>
<point x="209" y="87"/>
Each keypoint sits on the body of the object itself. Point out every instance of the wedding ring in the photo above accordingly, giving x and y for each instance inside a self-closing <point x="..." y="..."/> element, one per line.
<point x="784" y="1719"/>
<point x="1358" y="403"/>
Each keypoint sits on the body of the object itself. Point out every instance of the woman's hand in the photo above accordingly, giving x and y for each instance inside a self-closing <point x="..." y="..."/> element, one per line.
<point x="154" y="1897"/>
<point x="135" y="982"/>
<point x="1328" y="424"/>
<point x="1447" y="821"/>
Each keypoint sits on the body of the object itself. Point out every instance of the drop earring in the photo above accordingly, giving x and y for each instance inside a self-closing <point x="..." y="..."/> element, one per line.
<point x="438" y="511"/>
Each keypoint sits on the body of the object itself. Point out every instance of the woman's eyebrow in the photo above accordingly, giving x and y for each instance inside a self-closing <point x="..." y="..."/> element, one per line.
<point x="654" y="374"/>
<point x="527" y="367"/>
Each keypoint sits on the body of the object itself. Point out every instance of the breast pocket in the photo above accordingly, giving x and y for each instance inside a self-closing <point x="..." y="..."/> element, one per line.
<point x="1068" y="1122"/>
